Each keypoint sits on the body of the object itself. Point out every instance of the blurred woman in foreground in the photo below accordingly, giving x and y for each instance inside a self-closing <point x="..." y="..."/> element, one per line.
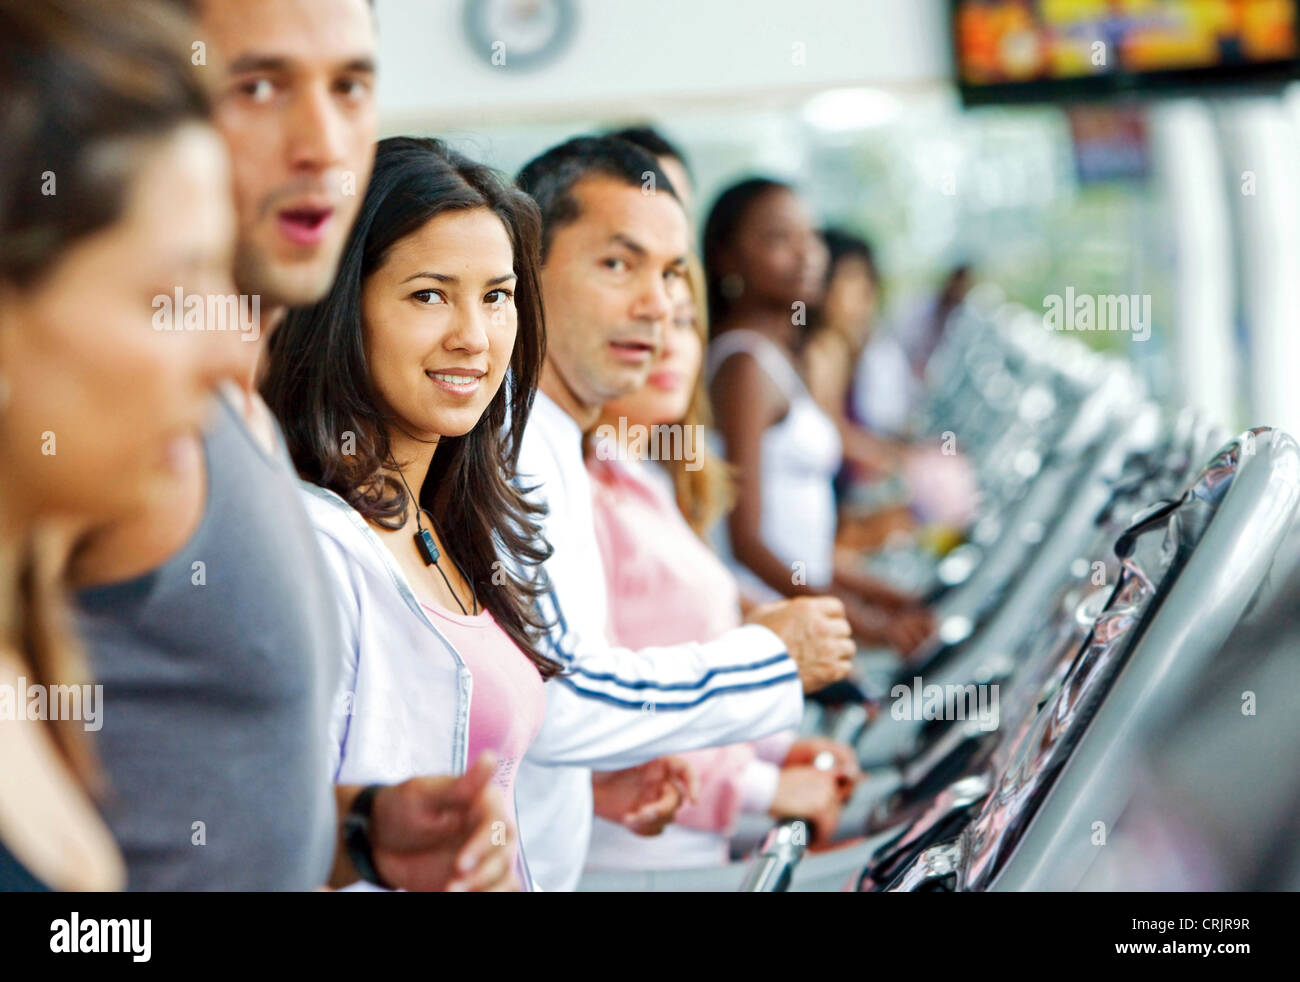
<point x="113" y="191"/>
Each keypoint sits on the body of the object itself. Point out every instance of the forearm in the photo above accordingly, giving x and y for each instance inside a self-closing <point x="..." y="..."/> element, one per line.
<point x="867" y="450"/>
<point x="749" y="550"/>
<point x="848" y="579"/>
<point x="620" y="708"/>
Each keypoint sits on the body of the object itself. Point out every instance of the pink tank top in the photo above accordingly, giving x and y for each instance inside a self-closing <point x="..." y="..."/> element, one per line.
<point x="508" y="700"/>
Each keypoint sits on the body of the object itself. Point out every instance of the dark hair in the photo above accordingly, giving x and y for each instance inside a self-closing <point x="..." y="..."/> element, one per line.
<point x="958" y="276"/>
<point x="841" y="245"/>
<point x="653" y="142"/>
<point x="729" y="211"/>
<point x="318" y="385"/>
<point x="83" y="81"/>
<point x="551" y="176"/>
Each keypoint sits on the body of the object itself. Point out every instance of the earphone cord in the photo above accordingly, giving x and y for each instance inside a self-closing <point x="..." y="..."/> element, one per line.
<point x="473" y="595"/>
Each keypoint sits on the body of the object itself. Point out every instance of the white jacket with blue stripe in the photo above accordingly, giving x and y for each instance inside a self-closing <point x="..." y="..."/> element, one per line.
<point x="615" y="707"/>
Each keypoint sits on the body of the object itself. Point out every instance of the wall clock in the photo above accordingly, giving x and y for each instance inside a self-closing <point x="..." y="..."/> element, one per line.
<point x="519" y="33"/>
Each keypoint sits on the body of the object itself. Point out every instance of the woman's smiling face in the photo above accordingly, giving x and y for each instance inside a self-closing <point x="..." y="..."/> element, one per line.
<point x="667" y="394"/>
<point x="439" y="323"/>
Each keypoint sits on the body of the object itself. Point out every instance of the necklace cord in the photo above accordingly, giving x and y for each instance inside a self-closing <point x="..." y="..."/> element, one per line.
<point x="432" y="558"/>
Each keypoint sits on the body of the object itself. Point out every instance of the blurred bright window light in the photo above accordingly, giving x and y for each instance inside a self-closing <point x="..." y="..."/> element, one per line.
<point x="852" y="109"/>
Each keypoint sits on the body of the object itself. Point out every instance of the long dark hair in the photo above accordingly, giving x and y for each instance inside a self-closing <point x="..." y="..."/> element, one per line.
<point x="729" y="211"/>
<point x="318" y="385"/>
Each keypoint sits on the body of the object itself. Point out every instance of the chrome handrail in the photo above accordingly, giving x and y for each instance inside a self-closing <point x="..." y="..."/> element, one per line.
<point x="775" y="862"/>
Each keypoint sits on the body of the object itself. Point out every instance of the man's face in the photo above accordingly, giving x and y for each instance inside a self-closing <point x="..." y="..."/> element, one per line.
<point x="609" y="286"/>
<point x="296" y="106"/>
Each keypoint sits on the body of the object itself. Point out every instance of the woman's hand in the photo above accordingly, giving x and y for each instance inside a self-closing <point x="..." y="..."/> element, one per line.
<point x="811" y="794"/>
<point x="645" y="799"/>
<point x="843" y="761"/>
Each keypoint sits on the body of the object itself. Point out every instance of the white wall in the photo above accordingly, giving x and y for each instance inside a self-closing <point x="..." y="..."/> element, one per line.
<point x="639" y="57"/>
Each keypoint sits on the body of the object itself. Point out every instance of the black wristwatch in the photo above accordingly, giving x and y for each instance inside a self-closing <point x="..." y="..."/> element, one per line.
<point x="356" y="835"/>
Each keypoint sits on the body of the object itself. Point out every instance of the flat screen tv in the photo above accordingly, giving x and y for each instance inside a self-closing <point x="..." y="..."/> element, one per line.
<point x="1069" y="50"/>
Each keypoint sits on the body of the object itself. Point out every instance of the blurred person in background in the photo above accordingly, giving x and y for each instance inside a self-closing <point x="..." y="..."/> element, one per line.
<point x="612" y="260"/>
<point x="841" y="328"/>
<point x="922" y="331"/>
<point x="437" y="298"/>
<point x="882" y="392"/>
<point x="652" y="515"/>
<point x="766" y="266"/>
<point x="95" y="404"/>
<point x="852" y="366"/>
<point x="210" y="615"/>
<point x="668" y="156"/>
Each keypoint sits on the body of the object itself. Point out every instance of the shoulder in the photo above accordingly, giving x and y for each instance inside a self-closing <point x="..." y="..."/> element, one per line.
<point x="619" y="487"/>
<point x="543" y="448"/>
<point x="733" y="365"/>
<point x="743" y="386"/>
<point x="326" y="509"/>
<point x="342" y="531"/>
<point x="255" y="416"/>
<point x="48" y="824"/>
<point x="827" y="347"/>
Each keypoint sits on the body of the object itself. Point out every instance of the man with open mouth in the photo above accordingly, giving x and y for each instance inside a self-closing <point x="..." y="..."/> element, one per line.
<point x="210" y="620"/>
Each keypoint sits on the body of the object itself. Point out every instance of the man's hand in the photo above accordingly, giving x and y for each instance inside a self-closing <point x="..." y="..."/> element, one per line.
<point x="645" y="799"/>
<point x="810" y="794"/>
<point x="445" y="833"/>
<point x="816" y="635"/>
<point x="842" y="760"/>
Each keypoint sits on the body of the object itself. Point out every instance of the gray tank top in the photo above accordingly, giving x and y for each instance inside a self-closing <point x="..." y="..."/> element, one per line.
<point x="217" y="680"/>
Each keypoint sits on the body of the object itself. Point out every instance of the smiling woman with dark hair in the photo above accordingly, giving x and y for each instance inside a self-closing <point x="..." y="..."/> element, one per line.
<point x="394" y="393"/>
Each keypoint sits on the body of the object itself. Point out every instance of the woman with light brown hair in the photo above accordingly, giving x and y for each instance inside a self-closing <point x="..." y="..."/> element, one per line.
<point x="113" y="190"/>
<point x="657" y="489"/>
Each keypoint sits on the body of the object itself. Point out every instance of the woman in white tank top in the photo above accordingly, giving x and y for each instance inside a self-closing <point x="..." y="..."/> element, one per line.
<point x="766" y="265"/>
<point x="800" y="454"/>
